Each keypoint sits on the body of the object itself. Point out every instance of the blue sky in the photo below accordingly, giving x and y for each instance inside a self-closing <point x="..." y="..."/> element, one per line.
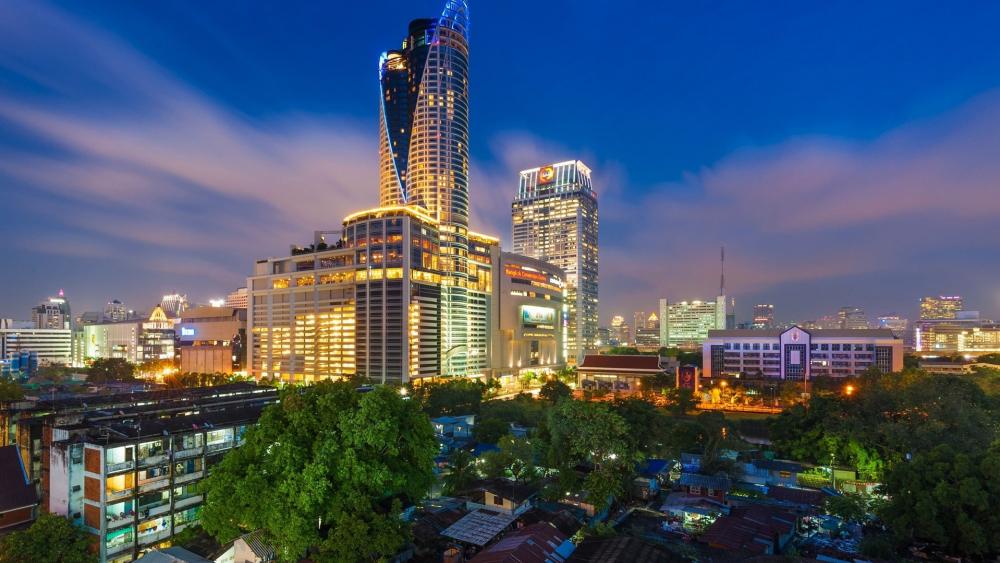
<point x="845" y="153"/>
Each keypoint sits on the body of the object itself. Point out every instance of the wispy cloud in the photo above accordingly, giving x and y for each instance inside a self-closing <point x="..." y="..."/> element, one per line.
<point x="141" y="166"/>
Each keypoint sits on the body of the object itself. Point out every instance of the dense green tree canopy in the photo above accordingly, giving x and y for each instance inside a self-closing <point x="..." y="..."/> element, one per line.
<point x="50" y="539"/>
<point x="554" y="390"/>
<point x="514" y="460"/>
<point x="10" y="391"/>
<point x="949" y="497"/>
<point x="110" y="369"/>
<point x="591" y="434"/>
<point x="326" y="471"/>
<point x="456" y="396"/>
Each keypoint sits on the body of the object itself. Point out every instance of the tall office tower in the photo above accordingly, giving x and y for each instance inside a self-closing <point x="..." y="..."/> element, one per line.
<point x="686" y="323"/>
<point x="941" y="307"/>
<point x="639" y="320"/>
<point x="852" y="318"/>
<point x="653" y="322"/>
<point x="555" y="219"/>
<point x="895" y="323"/>
<point x="115" y="311"/>
<point x="620" y="335"/>
<point x="53" y="313"/>
<point x="174" y="304"/>
<point x="237" y="299"/>
<point x="763" y="316"/>
<point x="424" y="156"/>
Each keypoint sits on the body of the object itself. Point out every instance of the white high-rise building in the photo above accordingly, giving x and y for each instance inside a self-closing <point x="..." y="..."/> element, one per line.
<point x="686" y="323"/>
<point x="554" y="219"/>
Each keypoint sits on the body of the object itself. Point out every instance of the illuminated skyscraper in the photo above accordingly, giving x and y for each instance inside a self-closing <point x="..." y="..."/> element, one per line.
<point x="424" y="159"/>
<point x="555" y="219"/>
<point x="53" y="313"/>
<point x="686" y="323"/>
<point x="941" y="307"/>
<point x="763" y="316"/>
<point x="174" y="304"/>
<point x="852" y="318"/>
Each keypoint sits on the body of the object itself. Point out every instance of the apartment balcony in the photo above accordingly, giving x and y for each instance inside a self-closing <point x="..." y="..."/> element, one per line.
<point x="119" y="467"/>
<point x="219" y="446"/>
<point x="154" y="459"/>
<point x="154" y="537"/>
<point x="159" y="483"/>
<point x="118" y="520"/>
<point x="155" y="509"/>
<point x="190" y="452"/>
<point x="178" y="528"/>
<point x="118" y="495"/>
<point x="119" y="547"/>
<point x="185" y="502"/>
<point x="178" y="479"/>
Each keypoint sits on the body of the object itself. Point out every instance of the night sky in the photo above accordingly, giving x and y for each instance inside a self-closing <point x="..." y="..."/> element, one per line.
<point x="845" y="153"/>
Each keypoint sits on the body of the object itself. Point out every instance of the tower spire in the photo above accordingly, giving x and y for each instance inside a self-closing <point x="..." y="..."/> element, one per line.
<point x="722" y="277"/>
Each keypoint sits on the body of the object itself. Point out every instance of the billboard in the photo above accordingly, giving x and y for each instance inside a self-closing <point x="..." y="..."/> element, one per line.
<point x="532" y="316"/>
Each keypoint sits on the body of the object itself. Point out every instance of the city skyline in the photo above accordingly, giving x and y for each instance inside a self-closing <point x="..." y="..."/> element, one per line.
<point x="173" y="173"/>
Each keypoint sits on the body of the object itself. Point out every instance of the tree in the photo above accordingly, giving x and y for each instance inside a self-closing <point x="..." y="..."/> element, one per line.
<point x="104" y="370"/>
<point x="461" y="472"/>
<point x="10" y="391"/>
<point x="681" y="400"/>
<point x="849" y="508"/>
<point x="50" y="539"/>
<point x="326" y="472"/>
<point x="948" y="497"/>
<point x="647" y="426"/>
<point x="989" y="359"/>
<point x="515" y="460"/>
<point x="454" y="396"/>
<point x="52" y="373"/>
<point x="581" y="432"/>
<point x="490" y="430"/>
<point x="554" y="390"/>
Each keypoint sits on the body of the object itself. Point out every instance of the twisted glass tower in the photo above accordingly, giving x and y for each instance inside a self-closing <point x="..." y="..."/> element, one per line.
<point x="424" y="153"/>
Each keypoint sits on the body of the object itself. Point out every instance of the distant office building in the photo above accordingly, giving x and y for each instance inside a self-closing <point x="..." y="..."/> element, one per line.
<point x="532" y="319"/>
<point x="41" y="346"/>
<point x="603" y="336"/>
<point x="966" y="333"/>
<point x="796" y="353"/>
<point x="115" y="311"/>
<point x="653" y="321"/>
<point x="763" y="316"/>
<point x="135" y="340"/>
<point x="899" y="326"/>
<point x="554" y="219"/>
<point x="212" y="340"/>
<point x="53" y="313"/>
<point x="639" y="320"/>
<point x="941" y="307"/>
<point x="852" y="318"/>
<point x="827" y="322"/>
<point x="237" y="299"/>
<point x="174" y="304"/>
<point x="647" y="338"/>
<point x="620" y="334"/>
<point x="686" y="323"/>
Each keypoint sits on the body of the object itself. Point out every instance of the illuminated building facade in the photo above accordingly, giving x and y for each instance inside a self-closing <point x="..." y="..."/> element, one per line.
<point x="237" y="299"/>
<point x="115" y="311"/>
<point x="966" y="333"/>
<point x="424" y="160"/>
<point x="300" y="322"/>
<point x="852" y="318"/>
<point x="941" y="307"/>
<point x="763" y="316"/>
<point x="531" y="329"/>
<point x="554" y="219"/>
<point x="898" y="325"/>
<point x="797" y="354"/>
<point x="52" y="314"/>
<point x="174" y="304"/>
<point x="135" y="340"/>
<point x="685" y="324"/>
<point x="620" y="333"/>
<point x="49" y="345"/>
<point x="212" y="340"/>
<point x="398" y="287"/>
